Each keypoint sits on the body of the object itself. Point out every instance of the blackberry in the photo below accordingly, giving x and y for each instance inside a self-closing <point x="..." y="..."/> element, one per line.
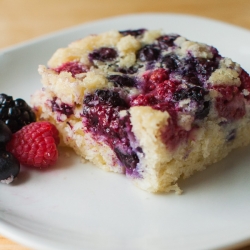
<point x="15" y="113"/>
<point x="5" y="134"/>
<point x="9" y="167"/>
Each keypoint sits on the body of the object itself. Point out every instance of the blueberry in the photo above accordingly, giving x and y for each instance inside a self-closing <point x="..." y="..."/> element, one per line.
<point x="205" y="67"/>
<point x="130" y="70"/>
<point x="128" y="160"/>
<point x="187" y="67"/>
<point x="135" y="33"/>
<point x="9" y="166"/>
<point x="63" y="108"/>
<point x="122" y="80"/>
<point x="103" y="54"/>
<point x="167" y="41"/>
<point x="231" y="136"/>
<point x="109" y="97"/>
<point x="194" y="93"/>
<point x="197" y="94"/>
<point x="170" y="62"/>
<point x="148" y="53"/>
<point x="204" y="111"/>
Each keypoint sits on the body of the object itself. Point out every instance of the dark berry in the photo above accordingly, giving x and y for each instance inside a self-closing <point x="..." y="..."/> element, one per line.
<point x="15" y="113"/>
<point x="135" y="33"/>
<point x="205" y="67"/>
<point x="5" y="134"/>
<point x="9" y="166"/>
<point x="231" y="135"/>
<point x="21" y="104"/>
<point x="111" y="98"/>
<point x="203" y="111"/>
<point x="148" y="53"/>
<point x="101" y="118"/>
<point x="167" y="41"/>
<point x="194" y="93"/>
<point x="170" y="62"/>
<point x="63" y="108"/>
<point x="122" y="80"/>
<point x="73" y="67"/>
<point x="103" y="54"/>
<point x="130" y="70"/>
<point x="3" y="112"/>
<point x="128" y="160"/>
<point x="6" y="100"/>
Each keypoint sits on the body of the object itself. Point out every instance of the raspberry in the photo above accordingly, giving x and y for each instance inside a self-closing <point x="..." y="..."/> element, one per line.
<point x="73" y="67"/>
<point x="35" y="144"/>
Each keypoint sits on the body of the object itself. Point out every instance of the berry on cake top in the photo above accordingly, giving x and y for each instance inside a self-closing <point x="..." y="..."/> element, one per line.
<point x="152" y="105"/>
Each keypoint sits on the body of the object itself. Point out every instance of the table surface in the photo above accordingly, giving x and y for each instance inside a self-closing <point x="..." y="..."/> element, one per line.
<point x="21" y="20"/>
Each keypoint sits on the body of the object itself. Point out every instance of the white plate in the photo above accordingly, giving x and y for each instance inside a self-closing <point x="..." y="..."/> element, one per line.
<point x="76" y="206"/>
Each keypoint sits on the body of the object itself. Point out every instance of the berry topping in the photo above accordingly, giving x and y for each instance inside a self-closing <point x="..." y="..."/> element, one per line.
<point x="203" y="110"/>
<point x="103" y="54"/>
<point x="135" y="33"/>
<point x="148" y="53"/>
<point x="158" y="91"/>
<point x="231" y="135"/>
<point x="231" y="105"/>
<point x="73" y="67"/>
<point x="15" y="113"/>
<point x="129" y="160"/>
<point x="122" y="80"/>
<point x="101" y="117"/>
<point x="62" y="108"/>
<point x="9" y="167"/>
<point x="130" y="70"/>
<point x="35" y="144"/>
<point x="170" y="62"/>
<point x="167" y="41"/>
<point x="194" y="93"/>
<point x="104" y="97"/>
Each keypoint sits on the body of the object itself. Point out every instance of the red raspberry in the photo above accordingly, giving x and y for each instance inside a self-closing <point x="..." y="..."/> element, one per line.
<point x="153" y="78"/>
<point x="35" y="144"/>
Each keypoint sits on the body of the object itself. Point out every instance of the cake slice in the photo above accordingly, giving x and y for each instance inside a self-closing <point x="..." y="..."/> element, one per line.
<point x="156" y="107"/>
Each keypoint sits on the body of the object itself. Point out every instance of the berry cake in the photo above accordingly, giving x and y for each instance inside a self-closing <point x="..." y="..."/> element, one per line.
<point x="156" y="107"/>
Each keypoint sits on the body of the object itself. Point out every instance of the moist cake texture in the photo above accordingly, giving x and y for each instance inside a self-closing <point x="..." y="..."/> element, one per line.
<point x="156" y="107"/>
